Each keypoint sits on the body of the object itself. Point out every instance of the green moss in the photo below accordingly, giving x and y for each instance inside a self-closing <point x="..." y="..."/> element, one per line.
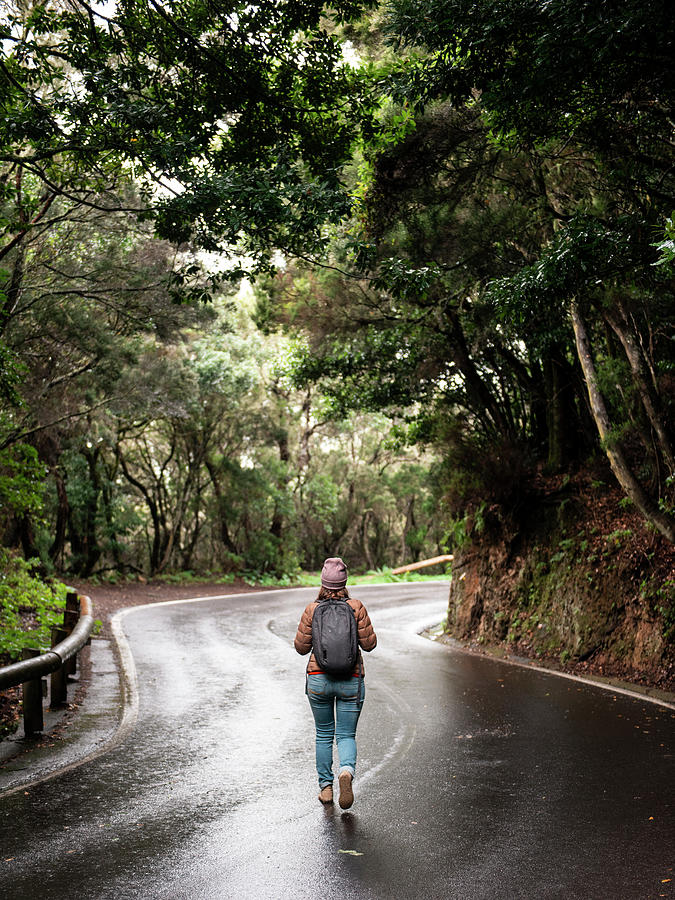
<point x="559" y="587"/>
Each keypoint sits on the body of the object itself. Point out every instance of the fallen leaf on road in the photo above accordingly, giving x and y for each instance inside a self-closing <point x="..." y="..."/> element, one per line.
<point x="351" y="852"/>
<point x="665" y="880"/>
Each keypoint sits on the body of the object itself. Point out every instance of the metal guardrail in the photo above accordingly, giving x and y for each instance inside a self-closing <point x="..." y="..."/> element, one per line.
<point x="59" y="662"/>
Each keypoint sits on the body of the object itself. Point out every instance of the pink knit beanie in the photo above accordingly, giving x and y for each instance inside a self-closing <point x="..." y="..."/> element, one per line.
<point x="334" y="573"/>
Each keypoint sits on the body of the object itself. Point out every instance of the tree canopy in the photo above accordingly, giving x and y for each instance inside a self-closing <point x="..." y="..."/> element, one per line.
<point x="234" y="119"/>
<point x="514" y="279"/>
<point x="462" y="221"/>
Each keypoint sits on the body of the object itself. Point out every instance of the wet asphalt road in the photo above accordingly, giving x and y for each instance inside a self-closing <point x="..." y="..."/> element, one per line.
<point x="476" y="779"/>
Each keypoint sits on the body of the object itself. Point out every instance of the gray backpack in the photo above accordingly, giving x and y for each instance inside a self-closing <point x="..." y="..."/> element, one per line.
<point x="335" y="640"/>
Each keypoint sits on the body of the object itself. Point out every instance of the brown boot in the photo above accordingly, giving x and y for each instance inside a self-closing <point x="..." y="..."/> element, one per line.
<point x="326" y="795"/>
<point x="346" y="792"/>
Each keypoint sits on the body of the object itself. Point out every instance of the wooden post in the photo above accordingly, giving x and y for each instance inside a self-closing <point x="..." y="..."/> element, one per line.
<point x="58" y="688"/>
<point x="32" y="699"/>
<point x="448" y="557"/>
<point x="72" y="605"/>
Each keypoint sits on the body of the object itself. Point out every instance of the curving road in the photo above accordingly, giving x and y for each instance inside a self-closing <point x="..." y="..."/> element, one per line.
<point x="477" y="779"/>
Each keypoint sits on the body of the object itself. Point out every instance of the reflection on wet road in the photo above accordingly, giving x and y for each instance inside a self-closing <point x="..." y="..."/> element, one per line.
<point x="476" y="779"/>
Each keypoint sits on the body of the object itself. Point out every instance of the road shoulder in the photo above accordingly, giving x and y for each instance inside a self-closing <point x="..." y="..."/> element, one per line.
<point x="68" y="741"/>
<point x="644" y="692"/>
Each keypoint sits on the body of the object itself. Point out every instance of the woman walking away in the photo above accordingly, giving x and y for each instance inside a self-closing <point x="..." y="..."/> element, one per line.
<point x="335" y="687"/>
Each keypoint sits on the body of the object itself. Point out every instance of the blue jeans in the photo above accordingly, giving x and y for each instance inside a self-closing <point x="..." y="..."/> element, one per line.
<point x="336" y="706"/>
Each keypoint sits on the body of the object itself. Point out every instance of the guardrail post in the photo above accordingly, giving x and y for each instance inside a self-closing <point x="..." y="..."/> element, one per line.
<point x="58" y="694"/>
<point x="70" y="619"/>
<point x="32" y="699"/>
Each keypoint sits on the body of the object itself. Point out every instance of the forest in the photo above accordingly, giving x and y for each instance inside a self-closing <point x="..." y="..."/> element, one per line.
<point x="377" y="280"/>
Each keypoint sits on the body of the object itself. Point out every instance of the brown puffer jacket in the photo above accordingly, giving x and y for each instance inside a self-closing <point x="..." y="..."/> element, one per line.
<point x="303" y="638"/>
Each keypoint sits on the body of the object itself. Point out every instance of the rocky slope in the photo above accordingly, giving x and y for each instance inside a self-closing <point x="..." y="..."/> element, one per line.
<point x="573" y="574"/>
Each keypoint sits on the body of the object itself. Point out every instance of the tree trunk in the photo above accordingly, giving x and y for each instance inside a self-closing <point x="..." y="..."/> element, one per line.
<point x="13" y="293"/>
<point x="108" y="512"/>
<point x="614" y="450"/>
<point x="284" y="456"/>
<point x="365" y="542"/>
<point x="646" y="390"/>
<point x="173" y="532"/>
<point x="152" y="507"/>
<point x="92" y="548"/>
<point x="555" y="420"/>
<point x="409" y="523"/>
<point x="27" y="537"/>
<point x="476" y="387"/>
<point x="564" y="432"/>
<point x="221" y="505"/>
<point x="62" y="515"/>
<point x="191" y="544"/>
<point x="536" y="399"/>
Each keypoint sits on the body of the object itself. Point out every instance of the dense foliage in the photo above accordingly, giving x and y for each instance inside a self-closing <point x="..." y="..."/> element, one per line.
<point x="233" y="118"/>
<point x="509" y="276"/>
<point x="463" y="226"/>
<point x="151" y="437"/>
<point x="142" y="430"/>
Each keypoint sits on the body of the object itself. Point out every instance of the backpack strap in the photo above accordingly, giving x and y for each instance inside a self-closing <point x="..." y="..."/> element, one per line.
<point x="310" y="655"/>
<point x="359" y="695"/>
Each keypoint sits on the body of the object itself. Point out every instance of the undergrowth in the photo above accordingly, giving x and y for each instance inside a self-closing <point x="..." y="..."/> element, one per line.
<point x="28" y="607"/>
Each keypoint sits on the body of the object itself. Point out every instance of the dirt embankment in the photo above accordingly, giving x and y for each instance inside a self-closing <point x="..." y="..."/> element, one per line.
<point x="577" y="578"/>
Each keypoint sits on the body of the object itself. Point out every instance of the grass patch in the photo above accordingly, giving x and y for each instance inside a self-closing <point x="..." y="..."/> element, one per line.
<point x="378" y="576"/>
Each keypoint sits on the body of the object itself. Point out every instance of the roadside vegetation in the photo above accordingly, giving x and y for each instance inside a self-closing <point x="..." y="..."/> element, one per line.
<point x="376" y="280"/>
<point x="28" y="608"/>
